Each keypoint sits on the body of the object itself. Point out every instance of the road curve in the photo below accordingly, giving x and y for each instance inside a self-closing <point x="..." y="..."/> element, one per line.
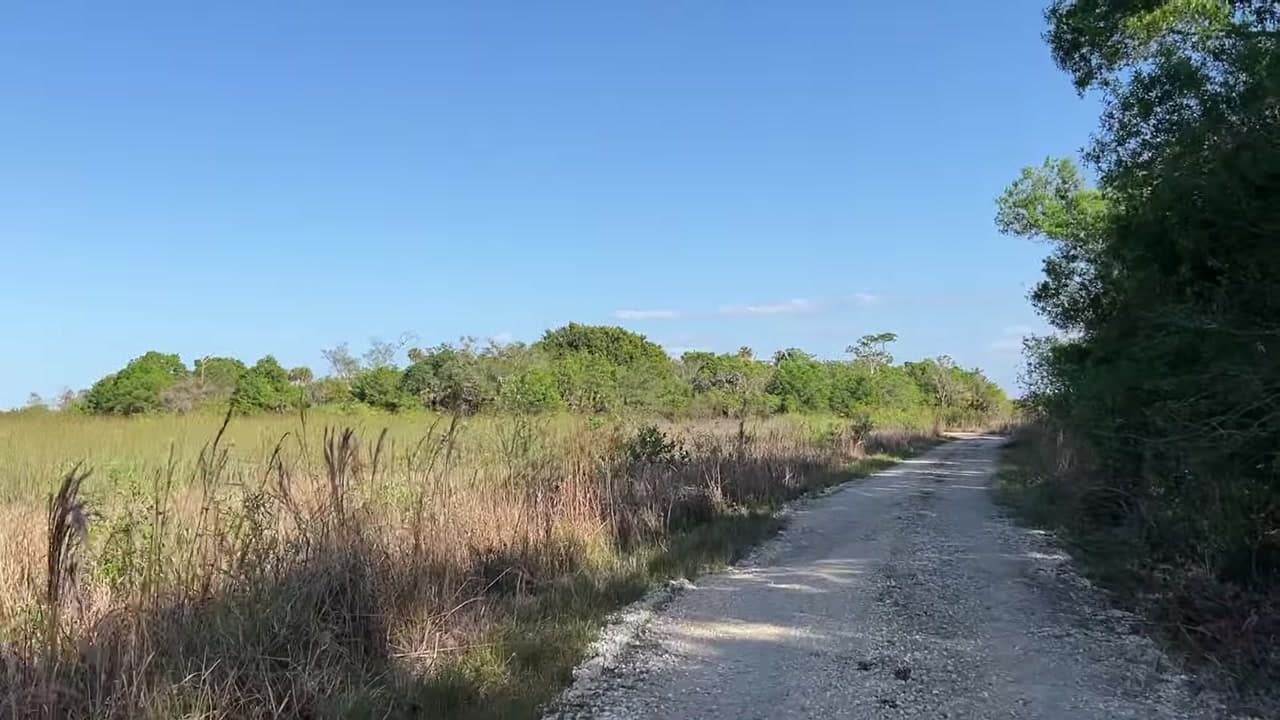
<point x="904" y="595"/>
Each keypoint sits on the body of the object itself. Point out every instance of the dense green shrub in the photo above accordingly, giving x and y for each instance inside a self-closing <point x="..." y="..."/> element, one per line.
<point x="799" y="382"/>
<point x="265" y="387"/>
<point x="532" y="390"/>
<point x="381" y="387"/>
<point x="138" y="387"/>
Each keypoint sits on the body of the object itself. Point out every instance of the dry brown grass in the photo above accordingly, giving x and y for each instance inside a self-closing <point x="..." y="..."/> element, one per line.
<point x="437" y="566"/>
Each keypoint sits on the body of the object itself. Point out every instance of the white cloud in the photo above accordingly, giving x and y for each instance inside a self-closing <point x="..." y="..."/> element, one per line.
<point x="501" y="338"/>
<point x="1006" y="344"/>
<point x="795" y="305"/>
<point x="1010" y="339"/>
<point x="645" y="314"/>
<point x="864" y="298"/>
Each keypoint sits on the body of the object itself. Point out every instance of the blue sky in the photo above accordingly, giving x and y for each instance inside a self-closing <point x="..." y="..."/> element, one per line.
<point x="251" y="178"/>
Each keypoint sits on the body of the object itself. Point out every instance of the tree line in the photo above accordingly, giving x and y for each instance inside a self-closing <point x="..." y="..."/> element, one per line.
<point x="576" y="368"/>
<point x="1163" y="278"/>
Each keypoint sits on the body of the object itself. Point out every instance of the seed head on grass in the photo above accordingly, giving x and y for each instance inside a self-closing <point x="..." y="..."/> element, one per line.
<point x="68" y="537"/>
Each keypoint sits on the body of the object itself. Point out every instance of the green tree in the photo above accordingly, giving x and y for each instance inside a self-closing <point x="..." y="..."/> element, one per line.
<point x="852" y="393"/>
<point x="1165" y="279"/>
<point x="730" y="385"/>
<point x="219" y="372"/>
<point x="138" y="387"/>
<point x="458" y="379"/>
<point x="799" y="383"/>
<point x="380" y="387"/>
<point x="618" y="346"/>
<point x="873" y="350"/>
<point x="329" y="391"/>
<point x="531" y="391"/>
<point x="264" y="387"/>
<point x="1052" y="203"/>
<point x="587" y="383"/>
<point x="601" y="369"/>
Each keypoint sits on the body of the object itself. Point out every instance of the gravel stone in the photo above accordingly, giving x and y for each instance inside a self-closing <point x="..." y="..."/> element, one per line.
<point x="904" y="595"/>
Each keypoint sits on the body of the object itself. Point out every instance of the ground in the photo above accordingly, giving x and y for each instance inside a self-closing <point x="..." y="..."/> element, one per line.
<point x="905" y="595"/>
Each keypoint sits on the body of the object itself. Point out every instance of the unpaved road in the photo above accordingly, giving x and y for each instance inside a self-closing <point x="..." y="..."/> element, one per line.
<point x="904" y="595"/>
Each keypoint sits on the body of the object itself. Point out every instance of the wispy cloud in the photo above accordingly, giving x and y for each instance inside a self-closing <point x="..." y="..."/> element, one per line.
<point x="645" y="314"/>
<point x="680" y="343"/>
<point x="795" y="305"/>
<point x="864" y="298"/>
<point x="1006" y="344"/>
<point x="1010" y="339"/>
<point x="502" y="338"/>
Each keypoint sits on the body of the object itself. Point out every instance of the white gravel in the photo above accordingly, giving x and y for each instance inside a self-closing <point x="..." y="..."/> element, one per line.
<point x="904" y="595"/>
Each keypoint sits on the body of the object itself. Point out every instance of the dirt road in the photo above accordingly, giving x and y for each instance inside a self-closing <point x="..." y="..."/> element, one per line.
<point x="904" y="595"/>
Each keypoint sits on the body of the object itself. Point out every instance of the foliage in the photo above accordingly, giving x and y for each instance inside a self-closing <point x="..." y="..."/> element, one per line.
<point x="532" y="390"/>
<point x="652" y="446"/>
<point x="264" y="387"/>
<point x="381" y="387"/>
<point x="449" y="378"/>
<point x="603" y="369"/>
<point x="1164" y="281"/>
<point x="1052" y="203"/>
<point x="597" y="370"/>
<point x="617" y="346"/>
<point x="138" y="387"/>
<point x="728" y="384"/>
<point x="799" y="382"/>
<point x="329" y="391"/>
<point x="873" y="350"/>
<point x="301" y="376"/>
<point x="219" y="372"/>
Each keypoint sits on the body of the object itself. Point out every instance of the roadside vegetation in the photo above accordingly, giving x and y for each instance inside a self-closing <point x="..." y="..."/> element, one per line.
<point x="441" y="538"/>
<point x="1154" y="415"/>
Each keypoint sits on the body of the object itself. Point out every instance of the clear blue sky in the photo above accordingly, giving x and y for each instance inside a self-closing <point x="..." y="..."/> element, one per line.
<point x="250" y="178"/>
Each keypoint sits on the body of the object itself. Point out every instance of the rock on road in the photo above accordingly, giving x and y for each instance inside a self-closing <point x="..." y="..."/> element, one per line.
<point x="903" y="595"/>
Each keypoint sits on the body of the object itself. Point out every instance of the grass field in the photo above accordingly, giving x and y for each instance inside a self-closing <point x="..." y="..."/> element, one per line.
<point x="382" y="566"/>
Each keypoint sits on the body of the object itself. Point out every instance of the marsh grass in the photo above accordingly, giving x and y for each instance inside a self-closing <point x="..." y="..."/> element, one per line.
<point x="398" y="567"/>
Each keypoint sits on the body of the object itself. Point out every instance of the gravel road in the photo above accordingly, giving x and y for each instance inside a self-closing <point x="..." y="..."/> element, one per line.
<point x="903" y="595"/>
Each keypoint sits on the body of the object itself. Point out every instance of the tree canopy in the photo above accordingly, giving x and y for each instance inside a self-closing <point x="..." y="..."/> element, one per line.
<point x="1164" y="279"/>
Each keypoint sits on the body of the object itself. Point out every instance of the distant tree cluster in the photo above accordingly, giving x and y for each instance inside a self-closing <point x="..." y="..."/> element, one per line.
<point x="160" y="382"/>
<point x="576" y="368"/>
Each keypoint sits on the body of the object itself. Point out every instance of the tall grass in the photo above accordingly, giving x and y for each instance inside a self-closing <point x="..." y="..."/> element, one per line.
<point x="1055" y="480"/>
<point x="420" y="566"/>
